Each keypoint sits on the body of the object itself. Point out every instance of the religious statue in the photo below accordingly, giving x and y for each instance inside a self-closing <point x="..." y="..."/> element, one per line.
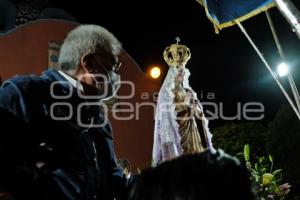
<point x="180" y="124"/>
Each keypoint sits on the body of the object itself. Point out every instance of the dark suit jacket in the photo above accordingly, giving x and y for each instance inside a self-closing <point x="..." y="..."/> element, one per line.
<point x="45" y="152"/>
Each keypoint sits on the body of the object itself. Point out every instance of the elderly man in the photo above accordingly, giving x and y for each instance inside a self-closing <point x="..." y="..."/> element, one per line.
<point x="56" y="141"/>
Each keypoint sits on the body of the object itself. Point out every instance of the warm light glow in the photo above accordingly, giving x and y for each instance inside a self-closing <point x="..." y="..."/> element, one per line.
<point x="282" y="69"/>
<point x="155" y="72"/>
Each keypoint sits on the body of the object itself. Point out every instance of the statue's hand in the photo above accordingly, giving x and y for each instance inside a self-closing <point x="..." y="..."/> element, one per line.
<point x="188" y="98"/>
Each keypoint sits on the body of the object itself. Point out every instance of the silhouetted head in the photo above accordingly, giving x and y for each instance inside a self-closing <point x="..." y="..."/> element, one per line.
<point x="204" y="176"/>
<point x="125" y="165"/>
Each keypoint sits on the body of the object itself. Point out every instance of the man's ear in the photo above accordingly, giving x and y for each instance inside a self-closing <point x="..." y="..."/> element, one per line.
<point x="86" y="63"/>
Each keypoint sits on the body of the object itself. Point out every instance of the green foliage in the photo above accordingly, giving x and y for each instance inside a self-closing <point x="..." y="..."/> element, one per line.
<point x="267" y="182"/>
<point x="281" y="138"/>
<point x="283" y="142"/>
<point x="232" y="137"/>
<point x="247" y="152"/>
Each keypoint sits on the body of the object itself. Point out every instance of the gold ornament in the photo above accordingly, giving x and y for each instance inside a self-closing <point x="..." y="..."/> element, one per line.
<point x="177" y="55"/>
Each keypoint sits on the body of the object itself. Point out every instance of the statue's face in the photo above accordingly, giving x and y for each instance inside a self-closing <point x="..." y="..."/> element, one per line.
<point x="180" y="75"/>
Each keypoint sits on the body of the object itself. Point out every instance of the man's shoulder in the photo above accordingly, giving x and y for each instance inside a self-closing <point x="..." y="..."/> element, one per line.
<point x="24" y="80"/>
<point x="18" y="91"/>
<point x="26" y="83"/>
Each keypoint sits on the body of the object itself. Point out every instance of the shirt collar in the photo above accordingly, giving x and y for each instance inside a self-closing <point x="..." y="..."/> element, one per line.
<point x="75" y="83"/>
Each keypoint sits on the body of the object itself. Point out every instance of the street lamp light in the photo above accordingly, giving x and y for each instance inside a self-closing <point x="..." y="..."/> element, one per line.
<point x="155" y="72"/>
<point x="282" y="69"/>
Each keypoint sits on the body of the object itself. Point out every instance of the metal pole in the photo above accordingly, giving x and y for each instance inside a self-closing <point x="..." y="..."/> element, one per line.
<point x="269" y="68"/>
<point x="291" y="14"/>
<point x="280" y="51"/>
<point x="294" y="89"/>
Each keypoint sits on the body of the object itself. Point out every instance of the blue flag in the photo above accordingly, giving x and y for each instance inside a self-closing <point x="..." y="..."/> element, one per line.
<point x="224" y="13"/>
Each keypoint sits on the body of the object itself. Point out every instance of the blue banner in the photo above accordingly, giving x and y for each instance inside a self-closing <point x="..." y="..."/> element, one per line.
<point x="224" y="13"/>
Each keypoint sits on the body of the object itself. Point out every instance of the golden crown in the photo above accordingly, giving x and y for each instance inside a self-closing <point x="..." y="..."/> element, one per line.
<point x="177" y="55"/>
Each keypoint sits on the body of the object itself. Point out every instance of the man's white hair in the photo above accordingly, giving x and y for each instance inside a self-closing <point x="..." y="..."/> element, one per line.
<point x="84" y="40"/>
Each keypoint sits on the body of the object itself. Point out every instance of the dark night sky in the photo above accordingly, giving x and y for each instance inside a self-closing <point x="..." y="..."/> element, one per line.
<point x="224" y="64"/>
